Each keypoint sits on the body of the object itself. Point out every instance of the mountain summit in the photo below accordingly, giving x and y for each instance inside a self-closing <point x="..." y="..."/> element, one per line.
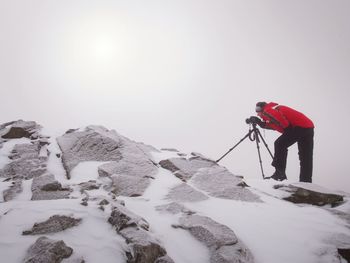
<point x="93" y="195"/>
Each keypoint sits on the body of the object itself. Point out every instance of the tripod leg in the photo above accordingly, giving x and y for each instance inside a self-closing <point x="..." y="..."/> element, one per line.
<point x="246" y="136"/>
<point x="267" y="147"/>
<point x="258" y="147"/>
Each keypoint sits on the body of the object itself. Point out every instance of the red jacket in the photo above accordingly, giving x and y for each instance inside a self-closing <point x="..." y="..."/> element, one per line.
<point x="279" y="117"/>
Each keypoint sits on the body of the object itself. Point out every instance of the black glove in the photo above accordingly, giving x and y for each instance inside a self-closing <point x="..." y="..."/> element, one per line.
<point x="254" y="120"/>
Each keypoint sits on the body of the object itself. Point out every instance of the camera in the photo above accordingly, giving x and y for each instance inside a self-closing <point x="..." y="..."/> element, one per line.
<point x="253" y="120"/>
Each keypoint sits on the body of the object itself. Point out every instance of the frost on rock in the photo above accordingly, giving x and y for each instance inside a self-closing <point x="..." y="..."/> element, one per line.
<point x="130" y="175"/>
<point x="46" y="187"/>
<point x="54" y="224"/>
<point x="174" y="208"/>
<point x="26" y="162"/>
<point x="46" y="250"/>
<point x="185" y="193"/>
<point x="130" y="165"/>
<point x="221" y="240"/>
<point x="88" y="145"/>
<point x="126" y="185"/>
<point x="185" y="168"/>
<point x="217" y="181"/>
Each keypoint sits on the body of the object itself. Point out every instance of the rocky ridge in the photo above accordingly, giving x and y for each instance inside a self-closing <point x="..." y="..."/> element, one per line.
<point x="126" y="170"/>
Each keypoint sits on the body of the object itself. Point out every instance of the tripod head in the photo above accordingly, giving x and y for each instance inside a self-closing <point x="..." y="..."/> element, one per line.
<point x="253" y="135"/>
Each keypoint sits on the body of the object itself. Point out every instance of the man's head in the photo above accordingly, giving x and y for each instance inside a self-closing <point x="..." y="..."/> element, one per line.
<point x="260" y="106"/>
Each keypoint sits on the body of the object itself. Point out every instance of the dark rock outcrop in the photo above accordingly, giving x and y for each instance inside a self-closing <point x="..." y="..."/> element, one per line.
<point x="20" y="129"/>
<point x="143" y="247"/>
<point x="304" y="194"/>
<point x="345" y="253"/>
<point x="54" y="224"/>
<point x="122" y="218"/>
<point x="221" y="240"/>
<point x="46" y="250"/>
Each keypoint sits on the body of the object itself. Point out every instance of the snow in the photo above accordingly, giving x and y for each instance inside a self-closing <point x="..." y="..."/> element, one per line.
<point x="275" y="231"/>
<point x="91" y="236"/>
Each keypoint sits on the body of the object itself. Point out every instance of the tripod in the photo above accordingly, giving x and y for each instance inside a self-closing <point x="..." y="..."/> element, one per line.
<point x="254" y="135"/>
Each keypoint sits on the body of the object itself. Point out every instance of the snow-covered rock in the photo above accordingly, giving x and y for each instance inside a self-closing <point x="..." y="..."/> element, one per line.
<point x="46" y="250"/>
<point x="55" y="223"/>
<point x="221" y="240"/>
<point x="46" y="187"/>
<point x="115" y="200"/>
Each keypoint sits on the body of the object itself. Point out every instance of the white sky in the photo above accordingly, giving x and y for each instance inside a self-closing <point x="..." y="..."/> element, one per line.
<point x="182" y="74"/>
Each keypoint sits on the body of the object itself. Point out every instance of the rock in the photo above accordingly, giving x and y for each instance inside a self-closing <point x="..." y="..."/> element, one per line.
<point x="170" y="150"/>
<point x="130" y="175"/>
<point x="54" y="224"/>
<point x="185" y="193"/>
<point x="103" y="202"/>
<point x="99" y="144"/>
<point x="345" y="253"/>
<point x="186" y="168"/>
<point x="88" y="145"/>
<point x="221" y="240"/>
<point x="144" y="248"/>
<point x="4" y="125"/>
<point x="304" y="193"/>
<point x="90" y="185"/>
<point x="139" y="166"/>
<point x="15" y="133"/>
<point x="122" y="218"/>
<point x="165" y="259"/>
<point x="20" y="129"/>
<point x="208" y="231"/>
<point x="15" y="189"/>
<point x="131" y="186"/>
<point x="26" y="162"/>
<point x="46" y="250"/>
<point x="174" y="208"/>
<point x="217" y="181"/>
<point x="46" y="187"/>
<point x="227" y="254"/>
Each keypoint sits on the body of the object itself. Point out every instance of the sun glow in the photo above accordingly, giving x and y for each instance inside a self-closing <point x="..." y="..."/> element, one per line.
<point x="94" y="49"/>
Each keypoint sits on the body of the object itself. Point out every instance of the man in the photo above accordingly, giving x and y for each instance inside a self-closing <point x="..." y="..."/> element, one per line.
<point x="295" y="127"/>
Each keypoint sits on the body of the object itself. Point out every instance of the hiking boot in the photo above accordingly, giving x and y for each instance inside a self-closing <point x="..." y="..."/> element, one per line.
<point x="279" y="175"/>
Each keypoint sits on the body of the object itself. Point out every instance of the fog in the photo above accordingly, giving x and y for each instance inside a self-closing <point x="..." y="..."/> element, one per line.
<point x="183" y="74"/>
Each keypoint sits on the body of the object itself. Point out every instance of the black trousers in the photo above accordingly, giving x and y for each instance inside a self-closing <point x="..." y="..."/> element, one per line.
<point x="305" y="139"/>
